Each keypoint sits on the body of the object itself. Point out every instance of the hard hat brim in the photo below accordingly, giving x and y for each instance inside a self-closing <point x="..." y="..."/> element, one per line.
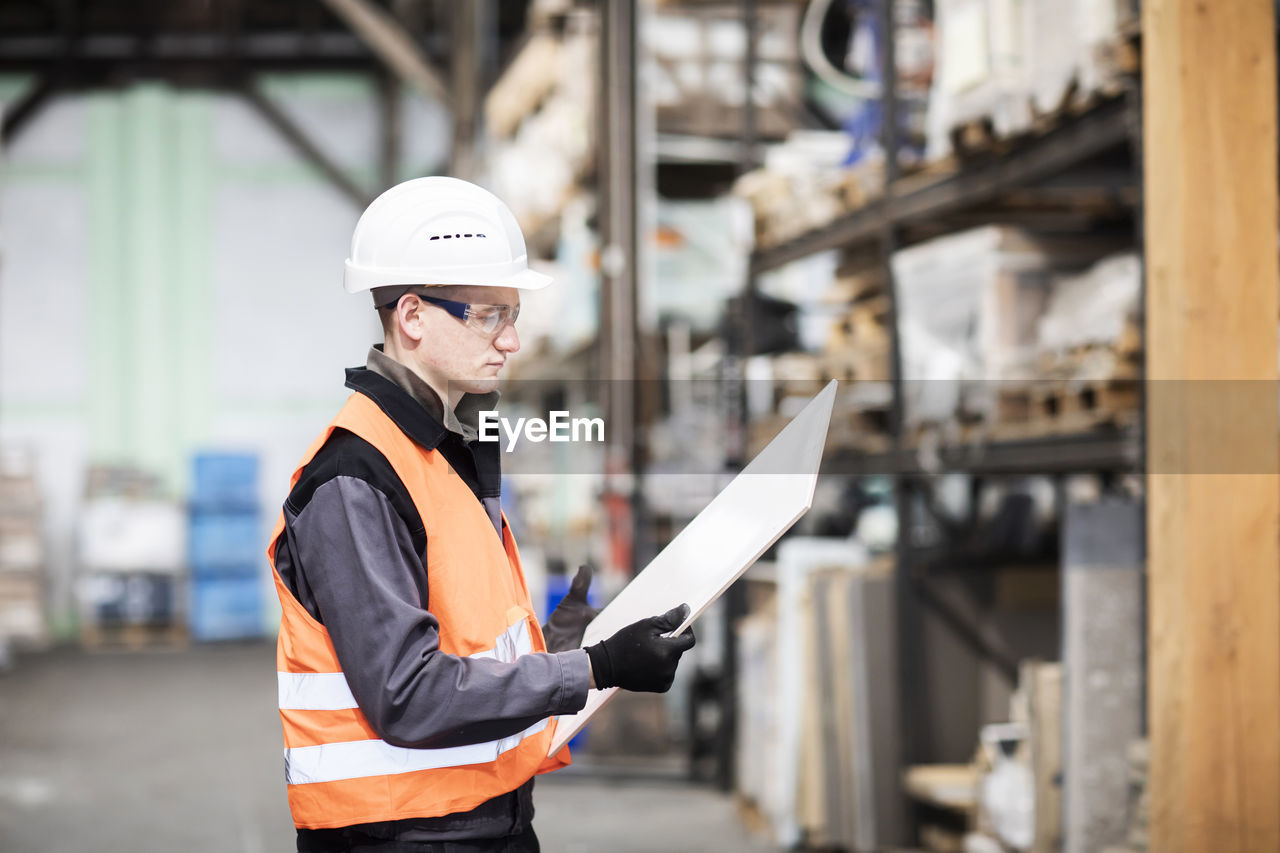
<point x="356" y="280"/>
<point x="523" y="280"/>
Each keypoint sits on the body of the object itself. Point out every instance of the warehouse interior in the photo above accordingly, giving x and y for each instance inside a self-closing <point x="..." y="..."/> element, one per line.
<point x="1035" y="604"/>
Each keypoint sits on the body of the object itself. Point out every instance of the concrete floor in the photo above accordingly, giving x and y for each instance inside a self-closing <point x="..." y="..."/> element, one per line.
<point x="180" y="751"/>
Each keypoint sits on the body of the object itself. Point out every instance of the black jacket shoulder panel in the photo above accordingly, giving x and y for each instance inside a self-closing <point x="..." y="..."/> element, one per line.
<point x="346" y="454"/>
<point x="395" y="402"/>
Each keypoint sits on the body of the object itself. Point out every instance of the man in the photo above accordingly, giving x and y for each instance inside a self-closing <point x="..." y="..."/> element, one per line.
<point x="416" y="688"/>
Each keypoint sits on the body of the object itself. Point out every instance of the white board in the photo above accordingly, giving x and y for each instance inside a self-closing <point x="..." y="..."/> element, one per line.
<point x="713" y="551"/>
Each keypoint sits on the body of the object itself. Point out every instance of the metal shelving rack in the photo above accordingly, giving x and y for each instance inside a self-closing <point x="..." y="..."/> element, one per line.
<point x="1112" y="449"/>
<point x="1094" y="154"/>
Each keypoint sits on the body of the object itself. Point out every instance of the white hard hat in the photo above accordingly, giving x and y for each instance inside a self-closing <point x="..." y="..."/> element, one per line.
<point x="438" y="231"/>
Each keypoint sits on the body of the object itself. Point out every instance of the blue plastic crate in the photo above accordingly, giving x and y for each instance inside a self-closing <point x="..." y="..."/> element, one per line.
<point x="224" y="539"/>
<point x="229" y="570"/>
<point x="557" y="587"/>
<point x="226" y="608"/>
<point x="224" y="481"/>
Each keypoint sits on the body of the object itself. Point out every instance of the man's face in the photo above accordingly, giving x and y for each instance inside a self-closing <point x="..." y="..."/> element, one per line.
<point x="459" y="356"/>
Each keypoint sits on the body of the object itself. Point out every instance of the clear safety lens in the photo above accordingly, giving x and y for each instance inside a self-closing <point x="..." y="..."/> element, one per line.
<point x="490" y="318"/>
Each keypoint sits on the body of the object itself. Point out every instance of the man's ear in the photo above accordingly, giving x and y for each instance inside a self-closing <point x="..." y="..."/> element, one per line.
<point x="409" y="317"/>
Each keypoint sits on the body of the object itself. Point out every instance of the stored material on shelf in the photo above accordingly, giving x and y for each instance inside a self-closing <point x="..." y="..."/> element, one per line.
<point x="713" y="551"/>
<point x="852" y="652"/>
<point x="1213" y="537"/>
<point x="696" y="61"/>
<point x="911" y="202"/>
<point x="1005" y="66"/>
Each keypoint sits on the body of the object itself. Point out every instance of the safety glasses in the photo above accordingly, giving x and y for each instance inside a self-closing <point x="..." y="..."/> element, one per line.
<point x="484" y="319"/>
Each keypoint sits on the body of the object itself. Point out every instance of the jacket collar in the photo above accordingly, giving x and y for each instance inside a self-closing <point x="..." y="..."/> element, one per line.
<point x="478" y="462"/>
<point x="462" y="419"/>
<point x="396" y="403"/>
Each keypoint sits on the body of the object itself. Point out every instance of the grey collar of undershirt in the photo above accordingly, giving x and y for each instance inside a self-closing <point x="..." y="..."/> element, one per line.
<point x="461" y="420"/>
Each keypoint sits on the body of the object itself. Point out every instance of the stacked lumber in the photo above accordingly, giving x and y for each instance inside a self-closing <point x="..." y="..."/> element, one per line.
<point x="542" y="112"/>
<point x="858" y="348"/>
<point x="856" y="352"/>
<point x="860" y="420"/>
<point x="22" y="553"/>
<point x="1063" y="407"/>
<point x="524" y="86"/>
<point x="805" y="184"/>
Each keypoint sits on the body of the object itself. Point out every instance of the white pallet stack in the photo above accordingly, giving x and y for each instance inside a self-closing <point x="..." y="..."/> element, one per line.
<point x="23" y="622"/>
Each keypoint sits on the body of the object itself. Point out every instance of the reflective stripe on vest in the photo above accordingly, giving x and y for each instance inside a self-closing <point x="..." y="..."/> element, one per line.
<point x="332" y="762"/>
<point x="329" y="691"/>
<point x="339" y="772"/>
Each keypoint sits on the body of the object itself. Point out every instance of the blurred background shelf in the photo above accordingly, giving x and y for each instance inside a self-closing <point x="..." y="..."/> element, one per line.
<point x="1113" y="451"/>
<point x="922" y="204"/>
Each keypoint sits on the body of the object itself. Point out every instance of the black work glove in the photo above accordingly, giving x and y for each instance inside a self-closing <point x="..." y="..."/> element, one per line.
<point x="569" y="620"/>
<point x="638" y="657"/>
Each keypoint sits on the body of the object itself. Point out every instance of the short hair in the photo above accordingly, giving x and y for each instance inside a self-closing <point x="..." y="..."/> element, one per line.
<point x="385" y="299"/>
<point x="390" y="294"/>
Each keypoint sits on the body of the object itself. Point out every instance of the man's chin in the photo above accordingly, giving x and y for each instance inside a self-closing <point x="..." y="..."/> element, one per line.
<point x="477" y="386"/>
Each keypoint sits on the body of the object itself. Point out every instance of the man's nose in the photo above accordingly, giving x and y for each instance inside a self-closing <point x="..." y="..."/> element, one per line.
<point x="508" y="340"/>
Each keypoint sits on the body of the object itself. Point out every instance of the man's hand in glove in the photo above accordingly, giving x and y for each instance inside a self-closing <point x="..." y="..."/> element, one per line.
<point x="569" y="620"/>
<point x="638" y="657"/>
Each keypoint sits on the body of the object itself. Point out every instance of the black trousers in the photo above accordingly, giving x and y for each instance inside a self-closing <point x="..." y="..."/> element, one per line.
<point x="349" y="841"/>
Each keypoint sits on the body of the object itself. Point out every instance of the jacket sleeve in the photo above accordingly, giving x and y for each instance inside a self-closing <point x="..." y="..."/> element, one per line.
<point x="369" y="587"/>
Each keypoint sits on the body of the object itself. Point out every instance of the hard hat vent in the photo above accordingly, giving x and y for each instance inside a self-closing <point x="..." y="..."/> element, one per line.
<point x="453" y="236"/>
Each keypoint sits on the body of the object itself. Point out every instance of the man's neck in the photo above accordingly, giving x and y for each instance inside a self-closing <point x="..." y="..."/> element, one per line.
<point x="460" y="417"/>
<point x="391" y="350"/>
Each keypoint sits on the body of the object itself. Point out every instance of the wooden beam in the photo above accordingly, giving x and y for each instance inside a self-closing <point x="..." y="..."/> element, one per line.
<point x="1212" y="301"/>
<point x="391" y="43"/>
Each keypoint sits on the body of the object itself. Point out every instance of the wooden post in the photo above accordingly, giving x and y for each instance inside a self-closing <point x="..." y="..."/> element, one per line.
<point x="1213" y="287"/>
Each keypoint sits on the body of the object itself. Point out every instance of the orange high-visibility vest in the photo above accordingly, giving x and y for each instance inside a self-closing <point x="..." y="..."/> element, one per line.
<point x="339" y="772"/>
